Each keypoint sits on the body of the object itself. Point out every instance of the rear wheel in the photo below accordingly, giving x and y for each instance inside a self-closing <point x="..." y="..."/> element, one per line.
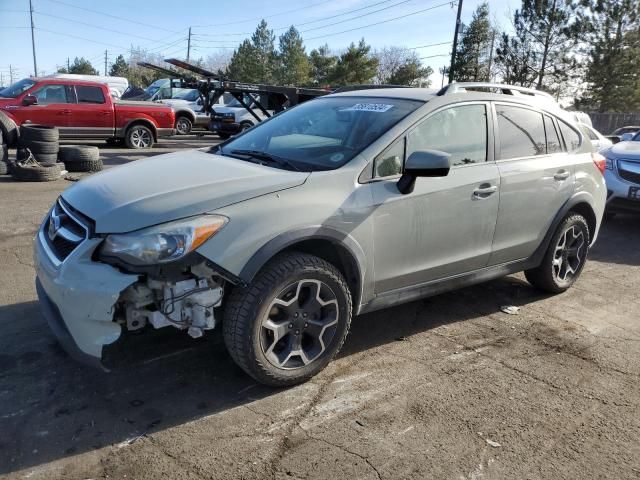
<point x="183" y="125"/>
<point x="290" y="322"/>
<point x="139" y="136"/>
<point x="565" y="257"/>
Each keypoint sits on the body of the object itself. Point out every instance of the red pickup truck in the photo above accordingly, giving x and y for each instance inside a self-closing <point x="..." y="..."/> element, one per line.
<point x="83" y="110"/>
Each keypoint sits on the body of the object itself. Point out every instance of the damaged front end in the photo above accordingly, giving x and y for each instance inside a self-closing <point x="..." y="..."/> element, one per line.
<point x="187" y="301"/>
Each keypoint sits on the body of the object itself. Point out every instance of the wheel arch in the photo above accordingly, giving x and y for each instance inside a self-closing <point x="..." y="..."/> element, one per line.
<point x="583" y="208"/>
<point x="185" y="113"/>
<point x="141" y="121"/>
<point x="337" y="248"/>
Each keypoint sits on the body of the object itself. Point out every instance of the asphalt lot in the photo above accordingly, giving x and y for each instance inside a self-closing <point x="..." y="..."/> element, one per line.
<point x="448" y="387"/>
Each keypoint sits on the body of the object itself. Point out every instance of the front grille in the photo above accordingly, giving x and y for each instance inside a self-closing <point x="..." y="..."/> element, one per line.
<point x="64" y="231"/>
<point x="629" y="176"/>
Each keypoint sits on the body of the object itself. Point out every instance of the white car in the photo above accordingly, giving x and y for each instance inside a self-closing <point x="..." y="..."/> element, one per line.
<point x="599" y="141"/>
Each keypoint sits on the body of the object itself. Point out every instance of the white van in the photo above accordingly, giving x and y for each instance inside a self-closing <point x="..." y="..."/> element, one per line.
<point x="117" y="85"/>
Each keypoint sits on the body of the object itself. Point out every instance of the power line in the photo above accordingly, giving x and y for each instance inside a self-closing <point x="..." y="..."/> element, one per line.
<point x="381" y="22"/>
<point x="263" y="17"/>
<point x="111" y="16"/>
<point x="429" y="45"/>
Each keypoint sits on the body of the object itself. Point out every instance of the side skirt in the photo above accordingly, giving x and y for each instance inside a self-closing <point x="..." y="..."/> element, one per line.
<point x="436" y="287"/>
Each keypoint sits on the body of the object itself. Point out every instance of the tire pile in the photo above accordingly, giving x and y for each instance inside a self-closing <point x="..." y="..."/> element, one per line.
<point x="41" y="158"/>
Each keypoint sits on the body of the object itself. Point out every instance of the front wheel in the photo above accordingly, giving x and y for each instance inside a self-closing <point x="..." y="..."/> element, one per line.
<point x="139" y="136"/>
<point x="565" y="257"/>
<point x="183" y="125"/>
<point x="289" y="323"/>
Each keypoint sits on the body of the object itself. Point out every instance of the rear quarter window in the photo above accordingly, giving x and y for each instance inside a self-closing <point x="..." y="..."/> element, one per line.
<point x="89" y="94"/>
<point x="571" y="137"/>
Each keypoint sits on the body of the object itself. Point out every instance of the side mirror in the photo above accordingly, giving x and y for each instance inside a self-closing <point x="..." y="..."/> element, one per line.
<point x="426" y="163"/>
<point x="29" y="100"/>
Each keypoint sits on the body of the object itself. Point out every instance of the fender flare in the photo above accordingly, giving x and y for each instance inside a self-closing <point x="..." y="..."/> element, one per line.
<point x="185" y="112"/>
<point x="576" y="199"/>
<point x="343" y="241"/>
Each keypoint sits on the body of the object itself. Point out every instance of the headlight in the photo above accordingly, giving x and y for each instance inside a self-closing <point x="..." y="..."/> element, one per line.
<point x="608" y="163"/>
<point x="162" y="243"/>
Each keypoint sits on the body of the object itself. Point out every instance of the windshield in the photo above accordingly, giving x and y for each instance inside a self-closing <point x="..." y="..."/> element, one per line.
<point x="17" y="88"/>
<point x="189" y="95"/>
<point x="325" y="133"/>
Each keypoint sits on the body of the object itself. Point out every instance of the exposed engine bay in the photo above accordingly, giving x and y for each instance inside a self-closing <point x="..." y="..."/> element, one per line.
<point x="187" y="303"/>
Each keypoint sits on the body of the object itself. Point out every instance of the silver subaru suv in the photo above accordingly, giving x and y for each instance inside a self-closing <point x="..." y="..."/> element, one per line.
<point x="343" y="205"/>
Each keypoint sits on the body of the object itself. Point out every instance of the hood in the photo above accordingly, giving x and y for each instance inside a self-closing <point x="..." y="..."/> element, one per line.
<point x="8" y="101"/>
<point x="172" y="186"/>
<point x="626" y="149"/>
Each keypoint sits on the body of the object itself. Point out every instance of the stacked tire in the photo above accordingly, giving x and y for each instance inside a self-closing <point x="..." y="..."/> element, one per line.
<point x="42" y="141"/>
<point x="28" y="169"/>
<point x="80" y="158"/>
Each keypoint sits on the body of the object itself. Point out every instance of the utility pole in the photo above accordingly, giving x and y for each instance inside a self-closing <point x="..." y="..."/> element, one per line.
<point x="444" y="70"/>
<point x="10" y="75"/>
<point x="33" y="41"/>
<point x="68" y="65"/>
<point x="106" y="59"/>
<point x="189" y="45"/>
<point x="455" y="41"/>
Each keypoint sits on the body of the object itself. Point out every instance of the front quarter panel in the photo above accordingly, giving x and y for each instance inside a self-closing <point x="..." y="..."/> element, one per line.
<point x="328" y="201"/>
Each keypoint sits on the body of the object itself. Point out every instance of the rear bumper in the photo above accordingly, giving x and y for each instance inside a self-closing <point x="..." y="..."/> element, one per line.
<point x="165" y="132"/>
<point x="230" y="128"/>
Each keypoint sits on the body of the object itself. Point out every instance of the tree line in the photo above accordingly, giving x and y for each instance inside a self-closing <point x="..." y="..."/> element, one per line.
<point x="586" y="50"/>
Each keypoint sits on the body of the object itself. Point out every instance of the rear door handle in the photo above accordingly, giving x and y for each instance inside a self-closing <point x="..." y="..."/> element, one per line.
<point x="485" y="190"/>
<point x="65" y="112"/>
<point x="561" y="175"/>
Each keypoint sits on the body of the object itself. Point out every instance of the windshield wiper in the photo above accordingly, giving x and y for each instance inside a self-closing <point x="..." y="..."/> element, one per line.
<point x="257" y="154"/>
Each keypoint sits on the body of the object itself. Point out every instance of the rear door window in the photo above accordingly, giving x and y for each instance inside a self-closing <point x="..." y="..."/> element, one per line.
<point x="521" y="132"/>
<point x="87" y="94"/>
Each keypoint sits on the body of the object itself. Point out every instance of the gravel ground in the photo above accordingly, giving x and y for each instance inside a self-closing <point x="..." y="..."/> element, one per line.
<point x="449" y="387"/>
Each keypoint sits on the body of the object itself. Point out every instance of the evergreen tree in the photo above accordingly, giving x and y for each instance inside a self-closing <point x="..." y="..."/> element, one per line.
<point x="401" y="66"/>
<point x="120" y="68"/>
<point x="293" y="63"/>
<point x="412" y="74"/>
<point x="255" y="59"/>
<point x="516" y="60"/>
<point x="610" y="28"/>
<point x="355" y="66"/>
<point x="82" y="66"/>
<point x="323" y="66"/>
<point x="474" y="50"/>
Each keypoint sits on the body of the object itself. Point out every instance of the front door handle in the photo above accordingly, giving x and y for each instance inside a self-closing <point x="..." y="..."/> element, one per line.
<point x="65" y="112"/>
<point x="107" y="112"/>
<point x="484" y="190"/>
<point x="561" y="175"/>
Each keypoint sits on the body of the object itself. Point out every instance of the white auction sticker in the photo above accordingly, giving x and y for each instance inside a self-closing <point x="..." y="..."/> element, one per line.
<point x="370" y="107"/>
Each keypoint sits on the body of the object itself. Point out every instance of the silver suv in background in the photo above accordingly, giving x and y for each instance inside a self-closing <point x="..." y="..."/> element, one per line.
<point x="342" y="205"/>
<point x="622" y="176"/>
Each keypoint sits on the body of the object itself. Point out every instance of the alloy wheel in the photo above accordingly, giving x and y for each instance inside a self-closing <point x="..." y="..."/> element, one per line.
<point x="182" y="126"/>
<point x="299" y="324"/>
<point x="569" y="254"/>
<point x="140" y="138"/>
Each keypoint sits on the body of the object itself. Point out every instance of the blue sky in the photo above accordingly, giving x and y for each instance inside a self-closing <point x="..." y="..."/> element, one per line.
<point x="69" y="28"/>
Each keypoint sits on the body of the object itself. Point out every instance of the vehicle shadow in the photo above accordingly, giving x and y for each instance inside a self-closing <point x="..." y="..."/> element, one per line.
<point x="618" y="241"/>
<point x="52" y="407"/>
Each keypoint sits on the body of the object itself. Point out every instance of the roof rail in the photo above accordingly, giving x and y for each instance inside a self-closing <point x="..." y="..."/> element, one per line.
<point x="462" y="87"/>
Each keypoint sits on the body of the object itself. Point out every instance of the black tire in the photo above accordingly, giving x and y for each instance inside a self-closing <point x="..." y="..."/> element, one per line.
<point x="84" y="166"/>
<point x="4" y="153"/>
<point x="135" y="134"/>
<point x="184" y="125"/>
<point x="40" y="147"/>
<point x="245" y="125"/>
<point x="46" y="157"/>
<point x="78" y="153"/>
<point x="545" y="277"/>
<point x="39" y="133"/>
<point x="41" y="173"/>
<point x="246" y="307"/>
<point x="224" y="136"/>
<point x="4" y="168"/>
<point x="10" y="132"/>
